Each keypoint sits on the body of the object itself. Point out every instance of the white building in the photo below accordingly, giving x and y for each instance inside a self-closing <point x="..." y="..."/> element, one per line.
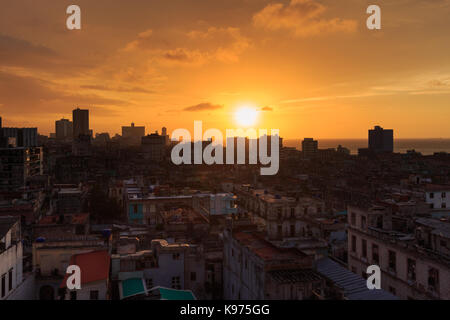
<point x="10" y="257"/>
<point x="438" y="197"/>
<point x="94" y="267"/>
<point x="255" y="269"/>
<point x="163" y="265"/>
<point x="414" y="262"/>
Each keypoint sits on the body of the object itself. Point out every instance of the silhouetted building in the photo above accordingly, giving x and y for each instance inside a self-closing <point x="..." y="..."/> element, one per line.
<point x="132" y="135"/>
<point x="17" y="165"/>
<point x="81" y="146"/>
<point x="63" y="129"/>
<point x="165" y="135"/>
<point x="80" y="119"/>
<point x="381" y="140"/>
<point x="154" y="147"/>
<point x="309" y="147"/>
<point x="25" y="137"/>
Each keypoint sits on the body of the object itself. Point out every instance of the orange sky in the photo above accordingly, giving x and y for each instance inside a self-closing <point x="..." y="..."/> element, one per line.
<point x="310" y="66"/>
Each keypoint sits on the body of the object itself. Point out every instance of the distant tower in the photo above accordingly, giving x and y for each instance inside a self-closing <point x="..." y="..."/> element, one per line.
<point x="381" y="140"/>
<point x="309" y="147"/>
<point x="132" y="134"/>
<point x="80" y="120"/>
<point x="63" y="129"/>
<point x="164" y="134"/>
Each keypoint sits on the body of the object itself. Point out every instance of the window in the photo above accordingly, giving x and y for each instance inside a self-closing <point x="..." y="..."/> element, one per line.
<point x="354" y="270"/>
<point x="292" y="213"/>
<point x="176" y="284"/>
<point x="73" y="295"/>
<point x="444" y="205"/>
<point x="176" y="256"/>
<point x="3" y="288"/>
<point x="280" y="231"/>
<point x="10" y="276"/>
<point x="431" y="195"/>
<point x="364" y="248"/>
<point x="135" y="208"/>
<point x="411" y="268"/>
<point x="93" y="295"/>
<point x="392" y="261"/>
<point x="353" y="218"/>
<point x="353" y="244"/>
<point x="193" y="276"/>
<point x="292" y="230"/>
<point x="443" y="195"/>
<point x="375" y="256"/>
<point x="433" y="279"/>
<point x="363" y="222"/>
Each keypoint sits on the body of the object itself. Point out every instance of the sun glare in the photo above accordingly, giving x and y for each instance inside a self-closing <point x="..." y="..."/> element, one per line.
<point x="246" y="116"/>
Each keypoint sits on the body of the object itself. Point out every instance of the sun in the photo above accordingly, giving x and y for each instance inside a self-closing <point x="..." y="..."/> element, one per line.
<point x="246" y="116"/>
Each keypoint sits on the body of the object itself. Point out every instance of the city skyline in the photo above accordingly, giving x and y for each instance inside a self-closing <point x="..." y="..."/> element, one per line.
<point x="309" y="68"/>
<point x="242" y="155"/>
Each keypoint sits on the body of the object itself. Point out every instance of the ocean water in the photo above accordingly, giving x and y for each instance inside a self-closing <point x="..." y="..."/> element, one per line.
<point x="424" y="146"/>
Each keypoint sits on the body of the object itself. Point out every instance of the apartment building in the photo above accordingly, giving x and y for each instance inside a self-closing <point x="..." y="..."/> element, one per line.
<point x="11" y="258"/>
<point x="438" y="196"/>
<point x="255" y="269"/>
<point x="170" y="265"/>
<point x="282" y="216"/>
<point x="412" y="253"/>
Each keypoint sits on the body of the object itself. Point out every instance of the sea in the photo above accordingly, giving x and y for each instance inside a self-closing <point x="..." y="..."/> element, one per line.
<point x="424" y="146"/>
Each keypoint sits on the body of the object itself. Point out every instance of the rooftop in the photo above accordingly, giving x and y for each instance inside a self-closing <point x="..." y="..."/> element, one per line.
<point x="294" y="275"/>
<point x="439" y="227"/>
<point x="94" y="266"/>
<point x="264" y="249"/>
<point x="354" y="286"/>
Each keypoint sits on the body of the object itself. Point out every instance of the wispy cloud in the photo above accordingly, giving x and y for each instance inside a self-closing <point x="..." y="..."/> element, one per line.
<point x="301" y="17"/>
<point x="203" y="107"/>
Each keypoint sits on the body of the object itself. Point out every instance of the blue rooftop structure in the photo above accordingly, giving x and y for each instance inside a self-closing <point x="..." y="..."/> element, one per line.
<point x="353" y="286"/>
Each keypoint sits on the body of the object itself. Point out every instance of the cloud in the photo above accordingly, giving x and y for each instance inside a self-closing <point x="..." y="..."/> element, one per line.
<point x="203" y="107"/>
<point x="267" y="108"/>
<point x="29" y="95"/>
<point x="439" y="83"/>
<point x="116" y="89"/>
<point x="302" y="17"/>
<point x="20" y="53"/>
<point x="195" y="47"/>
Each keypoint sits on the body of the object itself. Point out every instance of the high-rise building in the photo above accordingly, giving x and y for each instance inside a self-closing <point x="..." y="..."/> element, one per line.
<point x="63" y="129"/>
<point x="165" y="135"/>
<point x="24" y="137"/>
<point x="80" y="119"/>
<point x="309" y="147"/>
<point x="154" y="147"/>
<point x="17" y="164"/>
<point x="132" y="135"/>
<point x="381" y="140"/>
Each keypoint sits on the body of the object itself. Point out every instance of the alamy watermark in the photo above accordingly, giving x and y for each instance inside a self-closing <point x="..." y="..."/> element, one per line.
<point x="73" y="281"/>
<point x="73" y="21"/>
<point x="374" y="280"/>
<point x="213" y="152"/>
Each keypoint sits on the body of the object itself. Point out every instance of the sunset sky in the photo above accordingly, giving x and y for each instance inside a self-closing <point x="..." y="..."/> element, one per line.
<point x="311" y="67"/>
